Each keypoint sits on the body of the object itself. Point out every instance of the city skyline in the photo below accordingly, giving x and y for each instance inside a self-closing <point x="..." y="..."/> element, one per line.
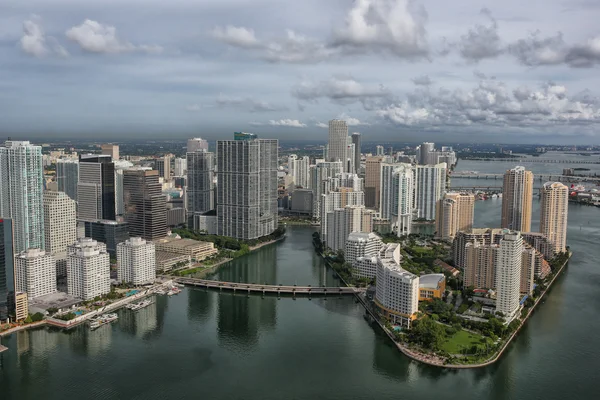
<point x="473" y="74"/>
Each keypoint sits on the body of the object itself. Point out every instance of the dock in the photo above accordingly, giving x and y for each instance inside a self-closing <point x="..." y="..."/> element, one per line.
<point x="268" y="289"/>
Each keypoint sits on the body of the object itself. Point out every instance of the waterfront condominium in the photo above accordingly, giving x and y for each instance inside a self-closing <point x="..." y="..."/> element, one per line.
<point x="145" y="205"/>
<point x="454" y="213"/>
<point x="508" y="273"/>
<point x="247" y="186"/>
<point x="430" y="186"/>
<point x="517" y="196"/>
<point x="35" y="273"/>
<point x="67" y="176"/>
<point x="21" y="188"/>
<point x="88" y="269"/>
<point x="298" y="170"/>
<point x="341" y="222"/>
<point x="96" y="188"/>
<point x="396" y="290"/>
<point x="554" y="211"/>
<point x="337" y="146"/>
<point x="136" y="261"/>
<point x="200" y="185"/>
<point x="7" y="270"/>
<point x="356" y="141"/>
<point x="361" y="244"/>
<point x="397" y="185"/>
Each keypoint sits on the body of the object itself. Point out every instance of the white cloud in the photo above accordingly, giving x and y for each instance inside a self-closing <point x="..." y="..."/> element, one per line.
<point x="322" y="125"/>
<point x="95" y="37"/>
<point x="351" y="121"/>
<point x="236" y="36"/>
<point x="290" y="123"/>
<point x="35" y="42"/>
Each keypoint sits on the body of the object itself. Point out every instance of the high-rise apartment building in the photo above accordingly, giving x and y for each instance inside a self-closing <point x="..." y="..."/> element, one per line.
<point x="35" y="273"/>
<point x="67" y="176"/>
<point x="88" y="269"/>
<point x="373" y="181"/>
<point x="356" y="140"/>
<point x="247" y="187"/>
<point x="7" y="270"/>
<point x="298" y="169"/>
<point x="319" y="173"/>
<point x="341" y="222"/>
<point x="396" y="290"/>
<point x="397" y="186"/>
<point x="163" y="166"/>
<point x="136" y="261"/>
<point x="197" y="144"/>
<point x="362" y="244"/>
<point x="111" y="150"/>
<point x="517" y="196"/>
<point x="180" y="166"/>
<point x="60" y="222"/>
<point x="379" y="150"/>
<point x="145" y="205"/>
<point x="454" y="213"/>
<point x="338" y="142"/>
<point x="21" y="188"/>
<point x="200" y="185"/>
<point x="554" y="212"/>
<point x="508" y="274"/>
<point x="479" y="269"/>
<point x="428" y="155"/>
<point x="96" y="188"/>
<point x="338" y="198"/>
<point x="430" y="187"/>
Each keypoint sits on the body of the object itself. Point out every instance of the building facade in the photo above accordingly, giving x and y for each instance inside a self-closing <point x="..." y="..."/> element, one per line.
<point x="96" y="188"/>
<point x="60" y="222"/>
<point x="517" y="196"/>
<point x="7" y="270"/>
<point x="397" y="186"/>
<point x="111" y="150"/>
<point x="554" y="212"/>
<point x="362" y="244"/>
<point x="35" y="273"/>
<point x="111" y="233"/>
<point x="88" y="269"/>
<point x="373" y="182"/>
<point x="67" y="176"/>
<point x="454" y="213"/>
<point x="430" y="187"/>
<point x="356" y="141"/>
<point x="508" y="274"/>
<point x="136" y="261"/>
<point x="21" y="189"/>
<point x="337" y="146"/>
<point x="200" y="184"/>
<point x="196" y="144"/>
<point x="145" y="205"/>
<point x="247" y="187"/>
<point x="298" y="170"/>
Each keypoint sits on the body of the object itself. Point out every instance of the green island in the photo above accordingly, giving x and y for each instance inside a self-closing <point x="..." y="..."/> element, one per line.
<point x="452" y="332"/>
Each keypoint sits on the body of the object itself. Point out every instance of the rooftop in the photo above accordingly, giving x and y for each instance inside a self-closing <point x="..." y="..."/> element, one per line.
<point x="431" y="280"/>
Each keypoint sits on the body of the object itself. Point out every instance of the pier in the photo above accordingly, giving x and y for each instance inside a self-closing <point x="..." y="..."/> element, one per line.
<point x="268" y="289"/>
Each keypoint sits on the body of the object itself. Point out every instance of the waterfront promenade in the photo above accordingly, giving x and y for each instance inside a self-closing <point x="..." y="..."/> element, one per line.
<point x="268" y="289"/>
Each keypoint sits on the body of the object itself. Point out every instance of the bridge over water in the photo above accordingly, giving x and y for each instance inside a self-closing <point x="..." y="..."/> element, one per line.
<point x="268" y="289"/>
<point x="533" y="160"/>
<point x="540" y="177"/>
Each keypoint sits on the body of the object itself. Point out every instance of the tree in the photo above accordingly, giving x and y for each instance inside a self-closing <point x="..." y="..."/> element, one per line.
<point x="428" y="333"/>
<point x="28" y="320"/>
<point x="37" y="317"/>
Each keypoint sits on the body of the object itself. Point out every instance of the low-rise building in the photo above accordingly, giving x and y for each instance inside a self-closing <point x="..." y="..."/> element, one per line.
<point x="431" y="286"/>
<point x="195" y="249"/>
<point x="166" y="261"/>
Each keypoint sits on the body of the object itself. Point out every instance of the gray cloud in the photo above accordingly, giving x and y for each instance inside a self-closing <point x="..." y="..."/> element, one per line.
<point x="35" y="42"/>
<point x="482" y="41"/>
<point x="95" y="37"/>
<point x="423" y="80"/>
<point x="247" y="103"/>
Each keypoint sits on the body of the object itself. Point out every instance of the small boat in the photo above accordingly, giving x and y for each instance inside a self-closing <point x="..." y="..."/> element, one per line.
<point x="140" y="305"/>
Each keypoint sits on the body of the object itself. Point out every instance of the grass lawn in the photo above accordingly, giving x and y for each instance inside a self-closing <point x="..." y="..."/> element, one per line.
<point x="460" y="340"/>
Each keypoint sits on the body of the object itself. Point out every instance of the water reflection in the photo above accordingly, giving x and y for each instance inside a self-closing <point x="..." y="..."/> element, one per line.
<point x="140" y="323"/>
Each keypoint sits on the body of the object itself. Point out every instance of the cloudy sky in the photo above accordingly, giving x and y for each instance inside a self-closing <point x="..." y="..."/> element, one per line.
<point x="398" y="70"/>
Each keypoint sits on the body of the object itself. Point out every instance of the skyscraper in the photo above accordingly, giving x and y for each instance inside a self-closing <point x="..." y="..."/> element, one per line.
<point x="397" y="185"/>
<point x="338" y="142"/>
<point x="180" y="166"/>
<point x="318" y="174"/>
<point x="554" y="211"/>
<point x="67" y="176"/>
<point x="111" y="150"/>
<point x="163" y="166"/>
<point x="145" y="205"/>
<point x="200" y="184"/>
<point x="298" y="169"/>
<point x="196" y="144"/>
<point x="96" y="188"/>
<point x="508" y="274"/>
<point x="356" y="140"/>
<point x="454" y="213"/>
<point x="21" y="188"/>
<point x="424" y="155"/>
<point x="7" y="270"/>
<point x="430" y="186"/>
<point x="247" y="187"/>
<point x="88" y="269"/>
<point x="517" y="195"/>
<point x="60" y="223"/>
<point x="136" y="261"/>
<point x="373" y="181"/>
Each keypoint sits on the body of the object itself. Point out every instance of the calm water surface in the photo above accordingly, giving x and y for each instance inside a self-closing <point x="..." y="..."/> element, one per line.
<point x="222" y="346"/>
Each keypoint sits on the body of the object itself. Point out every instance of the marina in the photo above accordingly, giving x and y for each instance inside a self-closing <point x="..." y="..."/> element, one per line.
<point x="98" y="321"/>
<point x="140" y="305"/>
